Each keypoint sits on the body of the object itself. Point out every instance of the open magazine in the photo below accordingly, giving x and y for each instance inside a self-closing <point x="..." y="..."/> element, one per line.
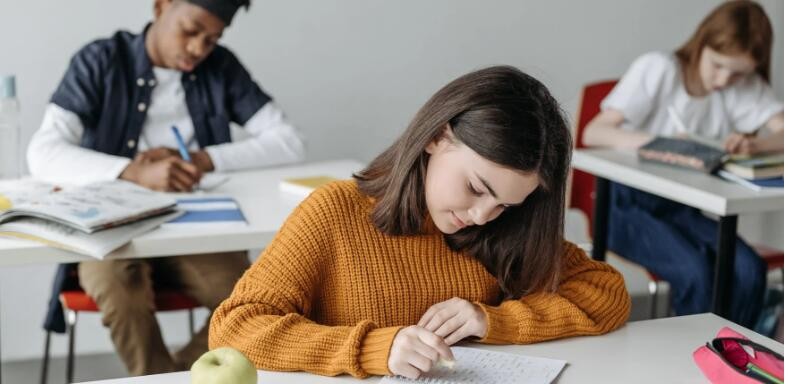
<point x="98" y="244"/>
<point x="93" y="220"/>
<point x="88" y="208"/>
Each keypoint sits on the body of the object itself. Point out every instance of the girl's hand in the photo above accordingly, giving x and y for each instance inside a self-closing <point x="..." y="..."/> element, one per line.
<point x="454" y="320"/>
<point x="416" y="350"/>
<point x="740" y="144"/>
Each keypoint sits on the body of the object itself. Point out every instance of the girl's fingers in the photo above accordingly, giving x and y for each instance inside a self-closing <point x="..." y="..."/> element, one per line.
<point x="441" y="317"/>
<point x="435" y="342"/>
<point x="426" y="351"/>
<point x="427" y="316"/>
<point x="420" y="362"/>
<point x="458" y="335"/>
<point x="733" y="143"/>
<point x="449" y="326"/>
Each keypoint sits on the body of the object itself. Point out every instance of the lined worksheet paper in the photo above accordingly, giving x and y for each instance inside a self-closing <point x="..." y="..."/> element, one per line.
<point x="480" y="366"/>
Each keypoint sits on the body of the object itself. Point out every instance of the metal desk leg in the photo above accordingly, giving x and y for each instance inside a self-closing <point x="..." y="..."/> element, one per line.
<point x="723" y="269"/>
<point x="601" y="216"/>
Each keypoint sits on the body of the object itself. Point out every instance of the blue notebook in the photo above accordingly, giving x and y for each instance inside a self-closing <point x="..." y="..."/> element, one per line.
<point x="774" y="182"/>
<point x="208" y="211"/>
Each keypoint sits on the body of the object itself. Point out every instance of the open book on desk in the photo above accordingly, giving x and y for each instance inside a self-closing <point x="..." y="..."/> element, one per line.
<point x="89" y="208"/>
<point x="98" y="244"/>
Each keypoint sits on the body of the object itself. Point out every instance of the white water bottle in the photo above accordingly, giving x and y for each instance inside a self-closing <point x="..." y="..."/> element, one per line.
<point x="10" y="129"/>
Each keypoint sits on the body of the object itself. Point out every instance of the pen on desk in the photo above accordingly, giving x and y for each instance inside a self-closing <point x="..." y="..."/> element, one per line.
<point x="674" y="117"/>
<point x="181" y="145"/>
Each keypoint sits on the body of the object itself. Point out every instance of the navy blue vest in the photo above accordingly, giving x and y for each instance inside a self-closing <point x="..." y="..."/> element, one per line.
<point x="109" y="83"/>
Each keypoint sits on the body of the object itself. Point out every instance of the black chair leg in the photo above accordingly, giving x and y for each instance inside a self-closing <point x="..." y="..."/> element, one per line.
<point x="45" y="360"/>
<point x="71" y="319"/>
<point x="653" y="291"/>
<point x="191" y="322"/>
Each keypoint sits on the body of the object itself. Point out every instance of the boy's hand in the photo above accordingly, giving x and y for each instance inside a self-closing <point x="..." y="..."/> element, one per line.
<point x="200" y="158"/>
<point x="167" y="174"/>
<point x="415" y="351"/>
<point x="454" y="320"/>
<point x="159" y="153"/>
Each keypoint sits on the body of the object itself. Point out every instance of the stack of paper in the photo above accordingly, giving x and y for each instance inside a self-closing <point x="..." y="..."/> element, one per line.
<point x="487" y="367"/>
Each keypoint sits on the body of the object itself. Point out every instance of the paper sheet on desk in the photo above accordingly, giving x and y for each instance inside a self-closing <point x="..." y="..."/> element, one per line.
<point x="212" y="180"/>
<point x="480" y="366"/>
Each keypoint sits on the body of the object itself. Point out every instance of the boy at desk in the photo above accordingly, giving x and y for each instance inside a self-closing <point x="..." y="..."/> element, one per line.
<point x="111" y="118"/>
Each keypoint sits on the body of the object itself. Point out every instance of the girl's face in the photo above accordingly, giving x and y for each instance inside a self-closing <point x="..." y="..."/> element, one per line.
<point x="463" y="188"/>
<point x="718" y="70"/>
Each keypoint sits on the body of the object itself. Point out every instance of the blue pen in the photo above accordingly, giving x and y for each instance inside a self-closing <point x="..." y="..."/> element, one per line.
<point x="181" y="145"/>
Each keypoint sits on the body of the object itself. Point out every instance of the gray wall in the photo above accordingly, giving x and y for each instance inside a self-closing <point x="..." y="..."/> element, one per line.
<point x="350" y="73"/>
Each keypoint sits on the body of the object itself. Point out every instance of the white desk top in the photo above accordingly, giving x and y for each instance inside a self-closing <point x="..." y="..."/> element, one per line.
<point x="652" y="351"/>
<point x="257" y="191"/>
<point x="702" y="191"/>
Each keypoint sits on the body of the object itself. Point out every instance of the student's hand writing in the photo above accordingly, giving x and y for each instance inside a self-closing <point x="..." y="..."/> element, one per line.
<point x="200" y="158"/>
<point x="454" y="320"/>
<point x="159" y="153"/>
<point x="415" y="351"/>
<point x="741" y="144"/>
<point x="168" y="174"/>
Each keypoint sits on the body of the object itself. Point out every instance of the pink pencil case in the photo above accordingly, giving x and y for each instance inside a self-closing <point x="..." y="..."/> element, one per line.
<point x="722" y="360"/>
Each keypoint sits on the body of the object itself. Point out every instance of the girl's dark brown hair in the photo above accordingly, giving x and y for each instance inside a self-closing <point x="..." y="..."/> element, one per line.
<point x="509" y="118"/>
<point x="735" y="27"/>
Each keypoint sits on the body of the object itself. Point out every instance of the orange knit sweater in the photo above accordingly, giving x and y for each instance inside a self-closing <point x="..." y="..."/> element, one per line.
<point x="330" y="292"/>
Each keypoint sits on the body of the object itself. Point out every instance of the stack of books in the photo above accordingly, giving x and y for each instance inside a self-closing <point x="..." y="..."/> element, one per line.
<point x="93" y="220"/>
<point x="755" y="172"/>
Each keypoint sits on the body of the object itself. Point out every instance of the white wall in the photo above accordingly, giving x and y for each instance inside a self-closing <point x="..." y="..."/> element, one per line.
<point x="350" y="73"/>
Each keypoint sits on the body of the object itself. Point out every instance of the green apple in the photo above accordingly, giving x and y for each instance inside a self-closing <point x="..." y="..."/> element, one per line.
<point x="223" y="366"/>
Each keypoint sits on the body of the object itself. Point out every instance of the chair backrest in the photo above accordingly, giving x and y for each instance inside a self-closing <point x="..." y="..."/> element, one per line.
<point x="582" y="186"/>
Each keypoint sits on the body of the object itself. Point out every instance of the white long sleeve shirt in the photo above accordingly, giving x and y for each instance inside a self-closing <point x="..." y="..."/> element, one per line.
<point x="55" y="154"/>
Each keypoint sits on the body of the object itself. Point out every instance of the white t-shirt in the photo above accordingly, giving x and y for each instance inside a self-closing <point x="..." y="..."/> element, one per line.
<point x="653" y="85"/>
<point x="167" y="109"/>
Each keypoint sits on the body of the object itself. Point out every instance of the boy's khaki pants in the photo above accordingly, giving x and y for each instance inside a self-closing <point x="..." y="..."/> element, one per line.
<point x="123" y="291"/>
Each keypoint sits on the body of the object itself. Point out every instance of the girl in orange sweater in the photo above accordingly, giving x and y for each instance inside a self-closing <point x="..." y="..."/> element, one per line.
<point x="454" y="232"/>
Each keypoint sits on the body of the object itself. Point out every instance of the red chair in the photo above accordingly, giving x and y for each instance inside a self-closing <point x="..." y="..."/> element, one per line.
<point x="582" y="194"/>
<point x="75" y="301"/>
